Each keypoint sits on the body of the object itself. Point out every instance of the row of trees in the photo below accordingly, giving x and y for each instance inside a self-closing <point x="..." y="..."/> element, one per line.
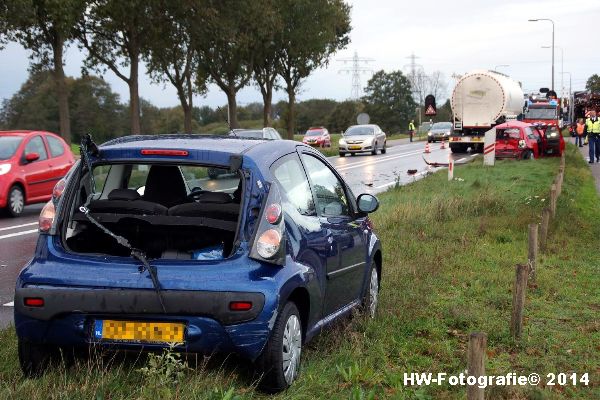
<point x="96" y="109"/>
<point x="188" y="44"/>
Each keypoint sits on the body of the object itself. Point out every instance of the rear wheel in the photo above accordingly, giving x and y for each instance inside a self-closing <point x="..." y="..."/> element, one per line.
<point x="35" y="358"/>
<point x="16" y="201"/>
<point x="280" y="361"/>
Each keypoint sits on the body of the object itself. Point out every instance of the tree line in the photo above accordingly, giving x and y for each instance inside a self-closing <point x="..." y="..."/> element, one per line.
<point x="188" y="44"/>
<point x="96" y="109"/>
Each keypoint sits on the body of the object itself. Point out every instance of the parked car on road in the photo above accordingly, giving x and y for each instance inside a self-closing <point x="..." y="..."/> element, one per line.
<point x="439" y="131"/>
<point x="135" y="255"/>
<point x="317" y="136"/>
<point x="361" y="139"/>
<point x="517" y="140"/>
<point x="31" y="162"/>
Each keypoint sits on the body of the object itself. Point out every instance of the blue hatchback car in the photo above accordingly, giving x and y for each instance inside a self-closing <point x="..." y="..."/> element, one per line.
<point x="140" y="249"/>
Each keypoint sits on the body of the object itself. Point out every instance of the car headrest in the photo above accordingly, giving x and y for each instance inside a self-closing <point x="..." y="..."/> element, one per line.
<point x="124" y="194"/>
<point x="214" y="197"/>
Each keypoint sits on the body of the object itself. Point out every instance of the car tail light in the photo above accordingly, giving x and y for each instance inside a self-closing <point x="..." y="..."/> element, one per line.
<point x="33" y="302"/>
<point x="59" y="188"/>
<point x="47" y="217"/>
<point x="240" y="305"/>
<point x="268" y="243"/>
<point x="165" y="152"/>
<point x="273" y="213"/>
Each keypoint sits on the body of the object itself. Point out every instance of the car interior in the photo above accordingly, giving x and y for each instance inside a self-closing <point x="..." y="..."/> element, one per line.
<point x="167" y="211"/>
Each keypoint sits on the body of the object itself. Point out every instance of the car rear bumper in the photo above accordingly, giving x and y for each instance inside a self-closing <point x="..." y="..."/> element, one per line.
<point x="69" y="314"/>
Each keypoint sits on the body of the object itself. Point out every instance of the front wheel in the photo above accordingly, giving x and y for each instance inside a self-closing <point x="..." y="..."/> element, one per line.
<point x="279" y="363"/>
<point x="371" y="298"/>
<point x="528" y="155"/>
<point x="374" y="151"/>
<point x="342" y="154"/>
<point x="16" y="201"/>
<point x="384" y="149"/>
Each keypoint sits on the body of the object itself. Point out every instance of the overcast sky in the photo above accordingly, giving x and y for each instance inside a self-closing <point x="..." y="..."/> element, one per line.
<point x="450" y="36"/>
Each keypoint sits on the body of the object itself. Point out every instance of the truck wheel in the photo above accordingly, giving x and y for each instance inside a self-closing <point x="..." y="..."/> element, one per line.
<point x="279" y="362"/>
<point x="35" y="358"/>
<point x="16" y="201"/>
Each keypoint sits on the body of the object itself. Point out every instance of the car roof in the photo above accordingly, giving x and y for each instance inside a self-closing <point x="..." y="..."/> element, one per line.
<point x="23" y="132"/>
<point x="513" y="124"/>
<point x="260" y="150"/>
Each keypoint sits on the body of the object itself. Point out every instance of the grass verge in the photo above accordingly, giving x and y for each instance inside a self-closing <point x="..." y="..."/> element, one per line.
<point x="450" y="250"/>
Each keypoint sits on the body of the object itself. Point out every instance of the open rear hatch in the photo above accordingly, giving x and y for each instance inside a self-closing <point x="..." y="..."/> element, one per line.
<point x="167" y="209"/>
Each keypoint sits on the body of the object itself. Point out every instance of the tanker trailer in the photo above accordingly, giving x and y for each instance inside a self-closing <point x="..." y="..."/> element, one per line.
<point x="480" y="100"/>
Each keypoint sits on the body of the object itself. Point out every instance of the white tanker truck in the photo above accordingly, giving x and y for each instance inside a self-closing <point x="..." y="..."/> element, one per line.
<point x="480" y="100"/>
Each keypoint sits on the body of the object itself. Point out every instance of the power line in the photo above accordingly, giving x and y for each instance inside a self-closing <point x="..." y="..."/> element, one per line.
<point x="357" y="67"/>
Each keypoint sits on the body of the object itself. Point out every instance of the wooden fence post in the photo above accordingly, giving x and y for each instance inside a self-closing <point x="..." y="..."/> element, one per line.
<point x="544" y="228"/>
<point x="533" y="250"/>
<point x="519" y="292"/>
<point x="476" y="363"/>
<point x="553" y="200"/>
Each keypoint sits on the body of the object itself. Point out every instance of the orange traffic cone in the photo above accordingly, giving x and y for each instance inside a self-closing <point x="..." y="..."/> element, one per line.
<point x="443" y="146"/>
<point x="427" y="148"/>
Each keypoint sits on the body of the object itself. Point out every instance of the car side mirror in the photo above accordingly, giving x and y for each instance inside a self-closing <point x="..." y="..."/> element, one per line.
<point x="367" y="203"/>
<point x="31" y="157"/>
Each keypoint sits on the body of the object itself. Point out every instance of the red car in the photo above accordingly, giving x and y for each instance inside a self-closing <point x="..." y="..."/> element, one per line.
<point x="317" y="136"/>
<point x="518" y="140"/>
<point x="31" y="162"/>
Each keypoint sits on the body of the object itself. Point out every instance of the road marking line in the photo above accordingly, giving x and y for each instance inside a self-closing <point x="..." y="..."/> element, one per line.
<point x="17" y="226"/>
<point x="11" y="304"/>
<point x="18" y="234"/>
<point x="461" y="160"/>
<point x="377" y="161"/>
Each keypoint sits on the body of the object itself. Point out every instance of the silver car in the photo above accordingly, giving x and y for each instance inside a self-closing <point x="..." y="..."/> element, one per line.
<point x="439" y="131"/>
<point x="362" y="139"/>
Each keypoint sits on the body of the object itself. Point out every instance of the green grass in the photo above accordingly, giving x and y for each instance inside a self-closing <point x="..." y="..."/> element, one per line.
<point x="450" y="250"/>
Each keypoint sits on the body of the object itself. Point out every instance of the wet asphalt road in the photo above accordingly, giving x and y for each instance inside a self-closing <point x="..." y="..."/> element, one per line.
<point x="364" y="173"/>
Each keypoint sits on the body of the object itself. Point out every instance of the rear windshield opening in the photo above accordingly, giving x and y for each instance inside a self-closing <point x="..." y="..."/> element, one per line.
<point x="168" y="211"/>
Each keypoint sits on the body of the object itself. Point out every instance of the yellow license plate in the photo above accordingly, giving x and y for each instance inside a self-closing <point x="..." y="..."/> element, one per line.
<point x="354" y="147"/>
<point x="132" y="331"/>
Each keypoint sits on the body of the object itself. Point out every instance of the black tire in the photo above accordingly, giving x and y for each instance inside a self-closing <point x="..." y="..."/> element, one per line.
<point x="374" y="151"/>
<point x="352" y="154"/>
<point x="271" y="363"/>
<point x="384" y="149"/>
<point x="371" y="297"/>
<point x="527" y="155"/>
<point x="35" y="358"/>
<point x="15" y="203"/>
<point x="342" y="154"/>
<point x="456" y="149"/>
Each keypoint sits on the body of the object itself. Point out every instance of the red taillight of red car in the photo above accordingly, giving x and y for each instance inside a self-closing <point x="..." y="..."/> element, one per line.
<point x="47" y="217"/>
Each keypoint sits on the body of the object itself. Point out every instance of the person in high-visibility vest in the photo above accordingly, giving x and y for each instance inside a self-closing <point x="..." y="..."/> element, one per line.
<point x="579" y="132"/>
<point x="411" y="129"/>
<point x="592" y="127"/>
